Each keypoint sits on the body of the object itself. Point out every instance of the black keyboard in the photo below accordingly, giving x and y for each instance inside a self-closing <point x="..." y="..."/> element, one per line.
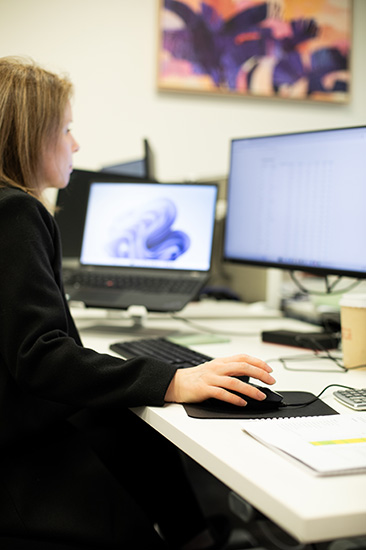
<point x="160" y="348"/>
<point x="129" y="282"/>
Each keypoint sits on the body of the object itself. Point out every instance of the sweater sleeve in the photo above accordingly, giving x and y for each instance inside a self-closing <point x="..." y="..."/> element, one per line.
<point x="37" y="351"/>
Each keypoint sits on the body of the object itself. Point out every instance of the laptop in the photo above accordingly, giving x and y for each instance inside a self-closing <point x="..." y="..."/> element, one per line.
<point x="144" y="244"/>
<point x="71" y="209"/>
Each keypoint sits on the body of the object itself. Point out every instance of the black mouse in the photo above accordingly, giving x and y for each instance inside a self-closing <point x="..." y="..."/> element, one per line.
<point x="272" y="401"/>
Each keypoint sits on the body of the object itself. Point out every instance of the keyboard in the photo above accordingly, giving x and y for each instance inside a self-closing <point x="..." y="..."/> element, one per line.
<point x="162" y="349"/>
<point x="128" y="282"/>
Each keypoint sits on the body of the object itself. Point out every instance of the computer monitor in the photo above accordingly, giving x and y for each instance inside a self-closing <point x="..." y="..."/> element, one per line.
<point x="149" y="157"/>
<point x="298" y="202"/>
<point x="142" y="168"/>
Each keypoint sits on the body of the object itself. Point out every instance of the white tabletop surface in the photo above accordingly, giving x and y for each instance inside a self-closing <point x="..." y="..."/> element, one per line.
<point x="309" y="507"/>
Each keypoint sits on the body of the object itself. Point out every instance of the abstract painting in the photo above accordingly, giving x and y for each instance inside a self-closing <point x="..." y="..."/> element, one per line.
<point x="293" y="49"/>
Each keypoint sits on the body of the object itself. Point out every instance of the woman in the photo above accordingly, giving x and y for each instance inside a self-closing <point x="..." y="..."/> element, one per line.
<point x="76" y="465"/>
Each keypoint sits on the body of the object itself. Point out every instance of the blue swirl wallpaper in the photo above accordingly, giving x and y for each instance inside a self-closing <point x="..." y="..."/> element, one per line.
<point x="148" y="233"/>
<point x="151" y="225"/>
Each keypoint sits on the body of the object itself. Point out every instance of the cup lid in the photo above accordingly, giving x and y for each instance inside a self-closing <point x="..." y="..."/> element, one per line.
<point x="353" y="300"/>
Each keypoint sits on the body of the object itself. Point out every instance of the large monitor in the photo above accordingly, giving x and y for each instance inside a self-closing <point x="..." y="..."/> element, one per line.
<point x="298" y="202"/>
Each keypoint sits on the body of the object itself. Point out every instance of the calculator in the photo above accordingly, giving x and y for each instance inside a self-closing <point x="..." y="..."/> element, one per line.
<point x="353" y="398"/>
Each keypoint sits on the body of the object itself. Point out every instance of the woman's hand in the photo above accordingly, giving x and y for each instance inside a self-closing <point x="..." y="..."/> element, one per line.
<point x="217" y="379"/>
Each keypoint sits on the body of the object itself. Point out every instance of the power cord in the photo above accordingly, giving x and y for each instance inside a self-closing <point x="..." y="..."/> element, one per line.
<point x="202" y="328"/>
<point x="329" y="287"/>
<point x="318" y="355"/>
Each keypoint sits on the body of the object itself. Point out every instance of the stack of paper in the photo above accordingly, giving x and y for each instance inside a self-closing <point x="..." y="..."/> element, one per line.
<point x="329" y="445"/>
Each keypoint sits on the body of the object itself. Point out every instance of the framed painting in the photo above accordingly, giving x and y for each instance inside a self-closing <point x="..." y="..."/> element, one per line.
<point x="293" y="49"/>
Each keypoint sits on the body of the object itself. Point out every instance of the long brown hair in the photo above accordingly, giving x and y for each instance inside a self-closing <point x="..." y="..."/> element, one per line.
<point x="32" y="106"/>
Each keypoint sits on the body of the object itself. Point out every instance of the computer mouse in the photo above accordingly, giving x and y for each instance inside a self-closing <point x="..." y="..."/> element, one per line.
<point x="272" y="401"/>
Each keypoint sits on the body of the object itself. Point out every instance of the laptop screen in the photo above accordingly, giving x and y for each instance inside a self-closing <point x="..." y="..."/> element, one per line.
<point x="150" y="225"/>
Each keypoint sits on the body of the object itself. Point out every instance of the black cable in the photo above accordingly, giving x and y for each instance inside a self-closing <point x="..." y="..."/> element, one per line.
<point x="329" y="287"/>
<point x="316" y="356"/>
<point x="304" y="404"/>
<point x="283" y="360"/>
<point x="317" y="349"/>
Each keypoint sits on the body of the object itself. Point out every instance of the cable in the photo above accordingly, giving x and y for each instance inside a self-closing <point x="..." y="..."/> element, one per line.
<point x="329" y="287"/>
<point x="305" y="403"/>
<point x="317" y="350"/>
<point x="283" y="360"/>
<point x="210" y="330"/>
<point x="316" y="356"/>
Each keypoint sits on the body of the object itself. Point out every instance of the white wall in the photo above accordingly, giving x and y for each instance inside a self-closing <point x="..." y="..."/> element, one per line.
<point x="109" y="48"/>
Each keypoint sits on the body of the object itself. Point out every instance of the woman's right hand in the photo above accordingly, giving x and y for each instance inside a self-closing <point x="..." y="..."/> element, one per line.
<point x="218" y="379"/>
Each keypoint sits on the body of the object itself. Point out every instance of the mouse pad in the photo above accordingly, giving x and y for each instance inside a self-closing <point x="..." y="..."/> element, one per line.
<point x="217" y="409"/>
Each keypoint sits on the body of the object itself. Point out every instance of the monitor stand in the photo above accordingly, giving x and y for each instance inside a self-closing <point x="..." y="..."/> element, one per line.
<point x="132" y="322"/>
<point x="138" y="316"/>
<point x="274" y="288"/>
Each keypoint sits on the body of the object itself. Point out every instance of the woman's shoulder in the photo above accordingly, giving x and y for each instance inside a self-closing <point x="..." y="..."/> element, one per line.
<point x="9" y="193"/>
<point x="17" y="202"/>
<point x="13" y="196"/>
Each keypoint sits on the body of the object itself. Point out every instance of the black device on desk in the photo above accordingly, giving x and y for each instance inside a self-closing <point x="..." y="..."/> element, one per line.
<point x="316" y="341"/>
<point x="144" y="244"/>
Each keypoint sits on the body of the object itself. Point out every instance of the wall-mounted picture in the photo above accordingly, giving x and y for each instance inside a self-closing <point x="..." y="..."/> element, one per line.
<point x="292" y="49"/>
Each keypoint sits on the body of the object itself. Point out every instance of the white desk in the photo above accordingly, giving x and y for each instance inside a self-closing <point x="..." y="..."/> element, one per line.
<point x="310" y="508"/>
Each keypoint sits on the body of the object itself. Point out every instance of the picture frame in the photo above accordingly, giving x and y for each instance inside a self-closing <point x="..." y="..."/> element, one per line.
<point x="288" y="49"/>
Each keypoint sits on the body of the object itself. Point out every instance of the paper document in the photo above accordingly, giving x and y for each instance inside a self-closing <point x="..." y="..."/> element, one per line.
<point x="329" y="445"/>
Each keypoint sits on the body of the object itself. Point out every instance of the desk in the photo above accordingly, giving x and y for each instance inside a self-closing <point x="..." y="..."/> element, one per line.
<point x="310" y="508"/>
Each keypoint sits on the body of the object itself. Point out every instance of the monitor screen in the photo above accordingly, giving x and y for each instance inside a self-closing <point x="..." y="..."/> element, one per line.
<point x="298" y="202"/>
<point x="149" y="225"/>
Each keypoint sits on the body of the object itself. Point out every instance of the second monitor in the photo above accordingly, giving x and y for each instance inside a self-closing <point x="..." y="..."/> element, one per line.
<point x="297" y="202"/>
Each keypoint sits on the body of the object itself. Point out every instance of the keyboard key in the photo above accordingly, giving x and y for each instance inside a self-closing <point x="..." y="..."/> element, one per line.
<point x="162" y="349"/>
<point x="353" y="398"/>
<point x="129" y="282"/>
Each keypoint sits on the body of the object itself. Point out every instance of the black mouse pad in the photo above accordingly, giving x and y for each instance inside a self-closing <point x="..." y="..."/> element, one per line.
<point x="213" y="408"/>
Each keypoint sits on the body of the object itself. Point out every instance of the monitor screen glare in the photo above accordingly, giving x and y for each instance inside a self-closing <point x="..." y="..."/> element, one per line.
<point x="298" y="202"/>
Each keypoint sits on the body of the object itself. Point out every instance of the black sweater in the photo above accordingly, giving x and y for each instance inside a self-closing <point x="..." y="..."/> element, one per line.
<point x="45" y="373"/>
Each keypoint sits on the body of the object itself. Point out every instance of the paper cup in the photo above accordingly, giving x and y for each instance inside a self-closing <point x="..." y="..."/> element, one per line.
<point x="353" y="325"/>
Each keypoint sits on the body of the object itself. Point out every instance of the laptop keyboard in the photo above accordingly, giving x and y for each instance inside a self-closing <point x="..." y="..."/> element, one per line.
<point x="129" y="282"/>
<point x="162" y="349"/>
